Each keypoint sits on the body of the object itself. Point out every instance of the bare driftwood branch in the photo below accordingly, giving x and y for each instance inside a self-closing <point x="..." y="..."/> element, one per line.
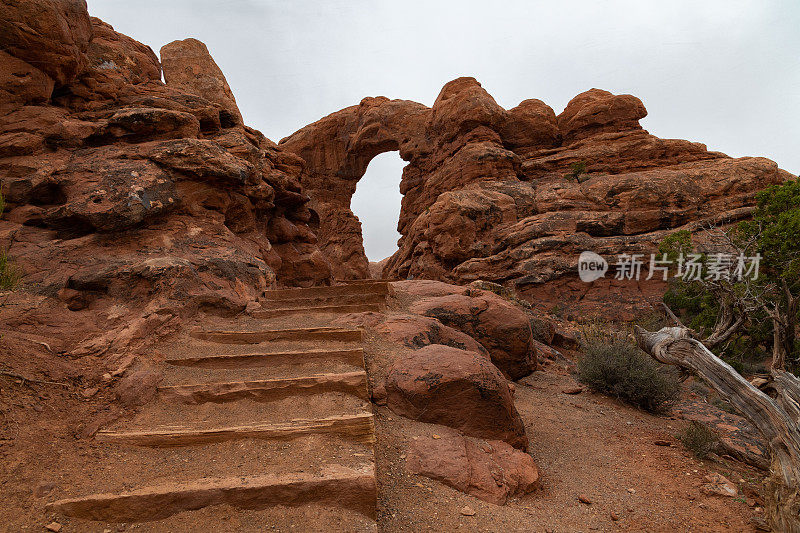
<point x="675" y="346"/>
<point x="786" y="389"/>
<point x="672" y="315"/>
<point x="722" y="334"/>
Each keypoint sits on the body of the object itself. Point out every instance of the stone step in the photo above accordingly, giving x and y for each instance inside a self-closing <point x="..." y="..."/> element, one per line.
<point x="225" y="518"/>
<point x="376" y="287"/>
<point x="167" y="413"/>
<point x="115" y="467"/>
<point x="359" y="427"/>
<point x="288" y="334"/>
<point x="346" y="299"/>
<point x="354" y="356"/>
<point x="354" y="383"/>
<point x="361" y="281"/>
<point x="343" y="487"/>
<point x="348" y="308"/>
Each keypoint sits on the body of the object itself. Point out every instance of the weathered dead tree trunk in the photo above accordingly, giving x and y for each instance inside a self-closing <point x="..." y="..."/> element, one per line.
<point x="778" y="425"/>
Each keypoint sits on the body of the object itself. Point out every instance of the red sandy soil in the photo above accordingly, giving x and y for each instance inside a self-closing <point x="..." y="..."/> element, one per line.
<point x="585" y="445"/>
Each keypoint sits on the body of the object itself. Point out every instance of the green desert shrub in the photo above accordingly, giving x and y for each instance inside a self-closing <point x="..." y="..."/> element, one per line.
<point x="615" y="366"/>
<point x="9" y="275"/>
<point x="699" y="439"/>
<point x="578" y="169"/>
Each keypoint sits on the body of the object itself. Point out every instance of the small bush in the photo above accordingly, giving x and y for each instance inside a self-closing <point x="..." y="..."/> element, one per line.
<point x="699" y="388"/>
<point x="541" y="329"/>
<point x="617" y="367"/>
<point x="578" y="168"/>
<point x="9" y="276"/>
<point x="699" y="439"/>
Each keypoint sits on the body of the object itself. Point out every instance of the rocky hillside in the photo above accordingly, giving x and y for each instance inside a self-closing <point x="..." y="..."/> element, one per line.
<point x="515" y="195"/>
<point x="119" y="185"/>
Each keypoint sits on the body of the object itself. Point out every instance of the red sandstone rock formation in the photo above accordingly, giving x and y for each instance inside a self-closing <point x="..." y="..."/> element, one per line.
<point x="133" y="187"/>
<point x="490" y="470"/>
<point x="485" y="192"/>
<point x="120" y="186"/>
<point x="189" y="67"/>
<point x="455" y="388"/>
<point x="501" y="327"/>
<point x="468" y="318"/>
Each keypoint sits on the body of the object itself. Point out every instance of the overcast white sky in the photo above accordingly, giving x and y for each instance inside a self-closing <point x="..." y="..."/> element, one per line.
<point x="722" y="72"/>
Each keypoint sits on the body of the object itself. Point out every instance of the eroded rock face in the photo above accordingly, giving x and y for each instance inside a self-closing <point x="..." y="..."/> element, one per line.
<point x="490" y="194"/>
<point x="119" y="186"/>
<point x="456" y="388"/>
<point x="502" y="328"/>
<point x="188" y="66"/>
<point x="52" y="35"/>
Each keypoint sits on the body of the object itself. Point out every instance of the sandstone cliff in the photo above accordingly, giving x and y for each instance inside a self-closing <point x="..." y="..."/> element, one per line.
<point x="514" y="196"/>
<point x="119" y="185"/>
<point x="122" y="187"/>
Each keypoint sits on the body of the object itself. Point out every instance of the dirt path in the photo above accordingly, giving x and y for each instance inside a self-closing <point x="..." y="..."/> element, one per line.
<point x="264" y="418"/>
<point x="585" y="444"/>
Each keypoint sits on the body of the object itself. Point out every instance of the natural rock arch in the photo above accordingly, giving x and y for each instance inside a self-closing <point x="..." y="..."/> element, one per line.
<point x="514" y="196"/>
<point x="337" y="150"/>
<point x="376" y="203"/>
<point x="447" y="146"/>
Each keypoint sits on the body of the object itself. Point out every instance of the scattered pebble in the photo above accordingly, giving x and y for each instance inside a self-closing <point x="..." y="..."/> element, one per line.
<point x="53" y="526"/>
<point x="614" y="516"/>
<point x="584" y="499"/>
<point x="632" y="491"/>
<point x="572" y="390"/>
<point x="43" y="489"/>
<point x="467" y="511"/>
<point x="719" y="485"/>
<point x="662" y="443"/>
<point x="88" y="393"/>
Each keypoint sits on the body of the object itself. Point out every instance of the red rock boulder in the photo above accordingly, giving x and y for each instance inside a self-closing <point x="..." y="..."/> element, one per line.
<point x="490" y="470"/>
<point x="455" y="388"/>
<point x="52" y="35"/>
<point x="501" y="327"/>
<point x="596" y="111"/>
<point x="417" y="331"/>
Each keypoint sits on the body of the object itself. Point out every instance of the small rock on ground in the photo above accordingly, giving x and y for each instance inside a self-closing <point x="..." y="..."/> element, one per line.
<point x="467" y="511"/>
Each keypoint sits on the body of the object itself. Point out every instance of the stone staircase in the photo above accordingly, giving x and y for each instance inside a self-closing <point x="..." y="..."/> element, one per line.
<point x="253" y="416"/>
<point x="350" y="298"/>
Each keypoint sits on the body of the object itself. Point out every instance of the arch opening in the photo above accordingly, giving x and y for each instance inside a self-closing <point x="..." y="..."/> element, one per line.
<point x="376" y="203"/>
